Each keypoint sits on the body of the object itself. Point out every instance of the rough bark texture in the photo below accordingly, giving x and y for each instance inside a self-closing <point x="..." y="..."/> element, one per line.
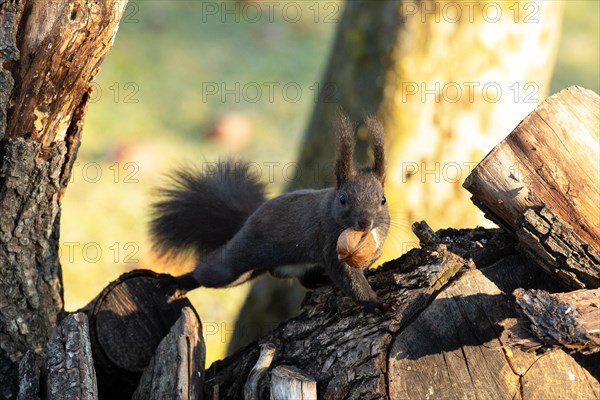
<point x="543" y="183"/>
<point x="570" y="320"/>
<point x="128" y="320"/>
<point x="177" y="368"/>
<point x="70" y="367"/>
<point x="30" y="283"/>
<point x="50" y="53"/>
<point x="551" y="242"/>
<point x="443" y="337"/>
<point x="30" y="368"/>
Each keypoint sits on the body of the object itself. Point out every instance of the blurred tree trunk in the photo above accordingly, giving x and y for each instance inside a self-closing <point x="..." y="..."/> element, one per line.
<point x="49" y="53"/>
<point x="448" y="81"/>
<point x="458" y="82"/>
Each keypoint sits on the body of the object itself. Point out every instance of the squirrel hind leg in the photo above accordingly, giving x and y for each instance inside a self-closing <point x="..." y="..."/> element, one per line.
<point x="202" y="278"/>
<point x="219" y="270"/>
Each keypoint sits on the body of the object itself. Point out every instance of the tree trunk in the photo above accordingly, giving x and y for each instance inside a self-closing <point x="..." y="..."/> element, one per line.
<point x="431" y="73"/>
<point x="543" y="183"/>
<point x="353" y="81"/>
<point x="449" y="98"/>
<point x="51" y="51"/>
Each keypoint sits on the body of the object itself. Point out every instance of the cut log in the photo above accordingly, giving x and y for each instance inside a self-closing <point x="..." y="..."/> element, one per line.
<point x="570" y="320"/>
<point x="543" y="184"/>
<point x="288" y="382"/>
<point x="177" y="370"/>
<point x="69" y="367"/>
<point x="444" y="336"/>
<point x="128" y="320"/>
<point x="455" y="348"/>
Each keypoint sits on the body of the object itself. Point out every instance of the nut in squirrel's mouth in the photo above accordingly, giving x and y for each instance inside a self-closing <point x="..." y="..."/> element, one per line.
<point x="356" y="248"/>
<point x="360" y="243"/>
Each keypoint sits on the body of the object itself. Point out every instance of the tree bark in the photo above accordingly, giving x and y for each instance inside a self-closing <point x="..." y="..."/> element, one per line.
<point x="444" y="336"/>
<point x="70" y="367"/>
<point x="543" y="184"/>
<point x="571" y="320"/>
<point x="50" y="53"/>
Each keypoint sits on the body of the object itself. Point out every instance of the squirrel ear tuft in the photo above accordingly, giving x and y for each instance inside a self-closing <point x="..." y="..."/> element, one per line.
<point x="377" y="144"/>
<point x="344" y="162"/>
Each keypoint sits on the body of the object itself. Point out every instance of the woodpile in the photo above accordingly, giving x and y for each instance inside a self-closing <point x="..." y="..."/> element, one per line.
<point x="481" y="313"/>
<point x="509" y="313"/>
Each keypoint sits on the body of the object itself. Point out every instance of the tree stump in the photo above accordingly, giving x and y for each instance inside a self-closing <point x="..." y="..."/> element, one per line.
<point x="543" y="184"/>
<point x="128" y="320"/>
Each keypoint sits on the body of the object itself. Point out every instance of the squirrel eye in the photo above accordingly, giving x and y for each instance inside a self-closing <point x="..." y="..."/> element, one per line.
<point x="383" y="200"/>
<point x="343" y="198"/>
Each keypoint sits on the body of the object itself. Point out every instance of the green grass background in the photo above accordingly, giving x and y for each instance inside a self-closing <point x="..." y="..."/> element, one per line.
<point x="149" y="115"/>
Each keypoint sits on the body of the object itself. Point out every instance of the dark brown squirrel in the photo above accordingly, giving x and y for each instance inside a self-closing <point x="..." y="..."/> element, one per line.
<point x="223" y="218"/>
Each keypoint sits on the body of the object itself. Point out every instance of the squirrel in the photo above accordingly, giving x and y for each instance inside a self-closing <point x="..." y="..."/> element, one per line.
<point x="224" y="219"/>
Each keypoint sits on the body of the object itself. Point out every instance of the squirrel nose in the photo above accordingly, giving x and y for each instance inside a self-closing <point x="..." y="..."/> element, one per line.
<point x="363" y="224"/>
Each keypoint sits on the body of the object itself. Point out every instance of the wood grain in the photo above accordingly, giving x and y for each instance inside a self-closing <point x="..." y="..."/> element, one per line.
<point x="288" y="382"/>
<point x="177" y="369"/>
<point x="550" y="161"/>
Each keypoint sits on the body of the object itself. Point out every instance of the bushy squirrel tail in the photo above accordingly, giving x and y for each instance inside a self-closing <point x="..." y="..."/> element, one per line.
<point x="202" y="210"/>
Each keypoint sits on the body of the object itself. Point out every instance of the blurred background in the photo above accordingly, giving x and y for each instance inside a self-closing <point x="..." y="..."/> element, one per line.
<point x="189" y="81"/>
